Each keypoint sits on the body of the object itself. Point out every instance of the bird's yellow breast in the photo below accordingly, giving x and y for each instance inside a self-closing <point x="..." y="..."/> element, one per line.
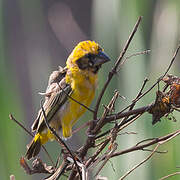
<point x="83" y="90"/>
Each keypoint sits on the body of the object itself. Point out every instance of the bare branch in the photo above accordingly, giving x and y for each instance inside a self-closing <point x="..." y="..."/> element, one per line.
<point x="27" y="131"/>
<point x="59" y="171"/>
<point x="97" y="152"/>
<point x="115" y="145"/>
<point x="114" y="69"/>
<point x="160" y="140"/>
<point x="170" y="175"/>
<point x="132" y="55"/>
<point x="12" y="118"/>
<point x="142" y="162"/>
<point x="171" y="63"/>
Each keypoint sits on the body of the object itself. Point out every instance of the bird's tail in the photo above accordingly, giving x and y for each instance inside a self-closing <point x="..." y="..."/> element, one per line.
<point x="33" y="147"/>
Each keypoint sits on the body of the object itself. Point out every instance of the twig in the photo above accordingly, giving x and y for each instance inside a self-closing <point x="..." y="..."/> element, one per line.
<point x="106" y="111"/>
<point x="135" y="167"/>
<point x="134" y="100"/>
<point x="132" y="55"/>
<point x="37" y="167"/>
<point x="121" y="115"/>
<point x="25" y="129"/>
<point x="170" y="175"/>
<point x="157" y="82"/>
<point x="90" y="140"/>
<point x="114" y="70"/>
<point x="81" y="127"/>
<point x="12" y="118"/>
<point x="160" y="140"/>
<point x="172" y="61"/>
<point x="128" y="121"/>
<point x="83" y="167"/>
<point x="115" y="145"/>
<point x="159" y="152"/>
<point x="97" y="152"/>
<point x="145" y="140"/>
<point x="58" y="172"/>
<point x="140" y="92"/>
<point x="60" y="140"/>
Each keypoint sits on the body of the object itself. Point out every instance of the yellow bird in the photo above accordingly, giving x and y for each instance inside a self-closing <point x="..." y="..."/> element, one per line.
<point x="78" y="80"/>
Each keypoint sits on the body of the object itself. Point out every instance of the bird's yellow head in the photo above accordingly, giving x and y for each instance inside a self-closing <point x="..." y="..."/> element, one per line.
<point x="87" y="55"/>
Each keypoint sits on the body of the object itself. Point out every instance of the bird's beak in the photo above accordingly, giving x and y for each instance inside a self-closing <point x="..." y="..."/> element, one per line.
<point x="101" y="58"/>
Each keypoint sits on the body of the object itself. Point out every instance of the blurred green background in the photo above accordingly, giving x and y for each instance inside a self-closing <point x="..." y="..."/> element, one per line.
<point x="37" y="36"/>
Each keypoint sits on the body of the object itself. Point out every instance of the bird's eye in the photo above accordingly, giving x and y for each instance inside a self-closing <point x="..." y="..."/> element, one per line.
<point x="90" y="63"/>
<point x="90" y="60"/>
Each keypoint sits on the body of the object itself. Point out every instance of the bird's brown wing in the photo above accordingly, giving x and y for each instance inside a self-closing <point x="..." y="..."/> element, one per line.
<point x="52" y="94"/>
<point x="54" y="103"/>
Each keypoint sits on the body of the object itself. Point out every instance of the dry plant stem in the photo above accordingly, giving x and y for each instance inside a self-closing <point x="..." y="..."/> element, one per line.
<point x="157" y="82"/>
<point x="159" y="152"/>
<point x="12" y="118"/>
<point x="114" y="117"/>
<point x="114" y="70"/>
<point x="81" y="127"/>
<point x="99" y="159"/>
<point x="110" y="107"/>
<point x="124" y="133"/>
<point x="53" y="164"/>
<point x="60" y="140"/>
<point x="84" y="170"/>
<point x="134" y="102"/>
<point x="115" y="145"/>
<point x="128" y="121"/>
<point x="139" y="94"/>
<point x="121" y="115"/>
<point x="97" y="152"/>
<point x="142" y="162"/>
<point x="60" y="170"/>
<point x="171" y="137"/>
<point x="160" y="140"/>
<point x="171" y="63"/>
<point x="135" y="54"/>
<point x="107" y="110"/>
<point x="121" y="126"/>
<point x="170" y="175"/>
<point x="145" y="140"/>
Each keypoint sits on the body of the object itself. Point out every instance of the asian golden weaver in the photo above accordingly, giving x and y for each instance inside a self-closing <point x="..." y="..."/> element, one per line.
<point x="78" y="79"/>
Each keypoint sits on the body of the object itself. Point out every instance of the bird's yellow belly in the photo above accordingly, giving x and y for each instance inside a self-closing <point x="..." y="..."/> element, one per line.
<point x="75" y="110"/>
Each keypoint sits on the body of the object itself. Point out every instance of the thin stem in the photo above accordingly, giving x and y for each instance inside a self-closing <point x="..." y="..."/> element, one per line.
<point x="60" y="140"/>
<point x="12" y="118"/>
<point x="142" y="162"/>
<point x="114" y="69"/>
<point x="170" y="175"/>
